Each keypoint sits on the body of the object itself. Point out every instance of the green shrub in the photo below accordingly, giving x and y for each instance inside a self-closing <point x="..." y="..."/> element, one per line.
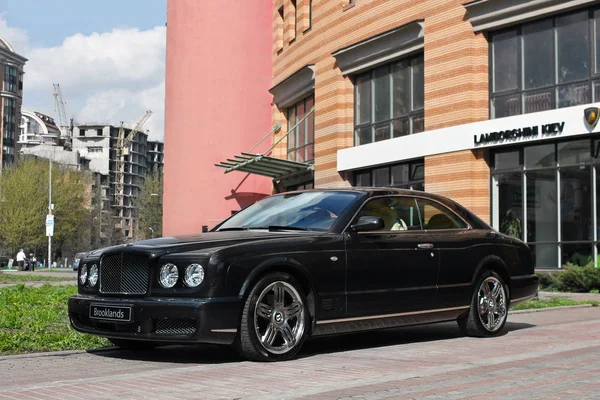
<point x="548" y="282"/>
<point x="578" y="279"/>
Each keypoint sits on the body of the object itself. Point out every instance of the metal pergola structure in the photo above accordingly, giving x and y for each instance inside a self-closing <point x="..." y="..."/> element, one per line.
<point x="265" y="165"/>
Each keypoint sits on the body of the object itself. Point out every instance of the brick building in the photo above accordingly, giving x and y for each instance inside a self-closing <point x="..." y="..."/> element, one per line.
<point x="11" y="98"/>
<point x="492" y="103"/>
<point x="482" y="101"/>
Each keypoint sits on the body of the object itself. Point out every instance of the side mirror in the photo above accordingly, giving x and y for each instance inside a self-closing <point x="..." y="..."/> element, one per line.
<point x="367" y="223"/>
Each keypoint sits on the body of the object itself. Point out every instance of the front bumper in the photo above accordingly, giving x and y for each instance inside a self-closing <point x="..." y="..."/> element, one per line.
<point x="168" y="320"/>
<point x="523" y="288"/>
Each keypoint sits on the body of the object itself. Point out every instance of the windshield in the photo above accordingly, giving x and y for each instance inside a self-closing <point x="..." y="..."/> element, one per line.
<point x="300" y="210"/>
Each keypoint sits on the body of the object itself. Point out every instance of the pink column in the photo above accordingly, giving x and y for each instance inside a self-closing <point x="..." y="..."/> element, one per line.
<point x="217" y="105"/>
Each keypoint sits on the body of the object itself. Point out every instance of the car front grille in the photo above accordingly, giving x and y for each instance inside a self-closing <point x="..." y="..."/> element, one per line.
<point x="175" y="326"/>
<point x="124" y="273"/>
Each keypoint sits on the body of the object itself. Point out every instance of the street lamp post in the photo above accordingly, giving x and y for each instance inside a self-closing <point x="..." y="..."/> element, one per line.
<point x="50" y="213"/>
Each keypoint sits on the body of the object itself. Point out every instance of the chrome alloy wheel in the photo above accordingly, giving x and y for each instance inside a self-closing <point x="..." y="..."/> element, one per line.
<point x="279" y="318"/>
<point x="491" y="304"/>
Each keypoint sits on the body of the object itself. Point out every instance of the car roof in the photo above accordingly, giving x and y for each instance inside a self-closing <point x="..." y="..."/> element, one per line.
<point x="376" y="191"/>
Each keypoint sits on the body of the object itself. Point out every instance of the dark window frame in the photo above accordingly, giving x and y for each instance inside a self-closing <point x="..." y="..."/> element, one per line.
<point x="305" y="124"/>
<point x="413" y="166"/>
<point x="592" y="80"/>
<point x="410" y="116"/>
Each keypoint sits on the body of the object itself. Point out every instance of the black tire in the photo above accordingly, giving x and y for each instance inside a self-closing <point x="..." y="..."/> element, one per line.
<point x="248" y="343"/>
<point x="133" y="344"/>
<point x="471" y="324"/>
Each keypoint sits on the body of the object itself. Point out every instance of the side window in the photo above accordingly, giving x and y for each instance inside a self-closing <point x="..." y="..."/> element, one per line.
<point x="397" y="213"/>
<point x="436" y="216"/>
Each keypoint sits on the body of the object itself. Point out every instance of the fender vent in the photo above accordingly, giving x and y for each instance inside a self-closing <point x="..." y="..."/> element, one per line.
<point x="327" y="304"/>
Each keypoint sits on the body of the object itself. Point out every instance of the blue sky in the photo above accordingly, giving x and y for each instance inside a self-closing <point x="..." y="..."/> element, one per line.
<point x="107" y="55"/>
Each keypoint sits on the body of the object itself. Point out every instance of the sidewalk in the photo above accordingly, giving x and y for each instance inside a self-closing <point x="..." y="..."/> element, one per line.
<point x="69" y="276"/>
<point x="572" y="296"/>
<point x="59" y="272"/>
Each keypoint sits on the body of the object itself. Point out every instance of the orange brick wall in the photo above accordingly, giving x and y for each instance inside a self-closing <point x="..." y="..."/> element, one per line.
<point x="463" y="176"/>
<point x="456" y="78"/>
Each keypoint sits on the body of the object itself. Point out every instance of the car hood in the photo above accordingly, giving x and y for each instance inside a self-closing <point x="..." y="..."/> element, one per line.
<point x="199" y="242"/>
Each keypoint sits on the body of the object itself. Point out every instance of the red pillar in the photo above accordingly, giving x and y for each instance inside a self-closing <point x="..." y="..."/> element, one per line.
<point x="217" y="105"/>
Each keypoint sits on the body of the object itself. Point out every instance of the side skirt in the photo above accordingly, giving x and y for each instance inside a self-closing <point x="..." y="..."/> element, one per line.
<point x="358" y="324"/>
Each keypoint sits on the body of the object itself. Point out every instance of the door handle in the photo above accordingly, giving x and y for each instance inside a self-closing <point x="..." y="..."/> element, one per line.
<point x="425" y="245"/>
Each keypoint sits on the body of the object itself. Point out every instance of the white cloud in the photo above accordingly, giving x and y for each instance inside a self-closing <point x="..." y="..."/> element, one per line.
<point x="105" y="77"/>
<point x="116" y="105"/>
<point x="17" y="37"/>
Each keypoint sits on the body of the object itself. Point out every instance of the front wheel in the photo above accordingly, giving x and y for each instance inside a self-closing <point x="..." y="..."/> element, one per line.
<point x="274" y="319"/>
<point x="489" y="307"/>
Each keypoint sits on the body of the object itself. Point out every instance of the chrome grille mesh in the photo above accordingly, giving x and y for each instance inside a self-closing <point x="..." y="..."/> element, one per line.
<point x="175" y="326"/>
<point x="124" y="273"/>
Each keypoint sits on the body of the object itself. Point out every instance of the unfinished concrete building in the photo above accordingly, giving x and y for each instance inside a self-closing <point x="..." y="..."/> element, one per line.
<point x="98" y="143"/>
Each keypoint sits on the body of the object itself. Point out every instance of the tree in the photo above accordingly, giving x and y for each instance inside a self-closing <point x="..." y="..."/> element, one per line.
<point x="24" y="205"/>
<point x="149" y="207"/>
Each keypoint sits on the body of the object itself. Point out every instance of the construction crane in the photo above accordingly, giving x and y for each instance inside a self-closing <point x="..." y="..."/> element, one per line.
<point x="60" y="106"/>
<point x="123" y="145"/>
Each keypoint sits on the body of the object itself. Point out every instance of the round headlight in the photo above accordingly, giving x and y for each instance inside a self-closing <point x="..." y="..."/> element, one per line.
<point x="168" y="275"/>
<point x="194" y="275"/>
<point x="93" y="275"/>
<point x="83" y="272"/>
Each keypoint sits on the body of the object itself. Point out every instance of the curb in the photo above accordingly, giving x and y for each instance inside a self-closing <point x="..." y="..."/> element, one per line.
<point x="62" y="353"/>
<point x="533" y="310"/>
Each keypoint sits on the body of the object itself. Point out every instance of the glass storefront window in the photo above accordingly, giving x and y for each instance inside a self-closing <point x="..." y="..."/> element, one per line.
<point x="550" y="200"/>
<point x="510" y="202"/>
<point x="549" y="63"/>
<point x="575" y="203"/>
<point x="505" y="58"/>
<point x="538" y="63"/>
<point x="572" y="46"/>
<point x="575" y="152"/>
<point x="545" y="256"/>
<point x="507" y="160"/>
<point x="410" y="175"/>
<point x="540" y="156"/>
<point x="580" y="254"/>
<point x="389" y="101"/>
<point x="542" y="219"/>
<point x="300" y="142"/>
<point x="381" y="177"/>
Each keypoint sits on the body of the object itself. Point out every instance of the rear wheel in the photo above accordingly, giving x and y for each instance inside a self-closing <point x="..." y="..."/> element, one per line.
<point x="274" y="319"/>
<point x="133" y="344"/>
<point x="489" y="307"/>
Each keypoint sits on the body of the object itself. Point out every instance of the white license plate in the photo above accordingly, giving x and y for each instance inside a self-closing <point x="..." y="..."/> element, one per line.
<point x="111" y="313"/>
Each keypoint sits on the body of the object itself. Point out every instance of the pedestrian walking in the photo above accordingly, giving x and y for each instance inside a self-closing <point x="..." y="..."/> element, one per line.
<point x="21" y="259"/>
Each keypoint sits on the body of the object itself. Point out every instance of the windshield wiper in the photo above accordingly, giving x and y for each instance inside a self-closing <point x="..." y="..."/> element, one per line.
<point x="282" y="228"/>
<point x="234" y="228"/>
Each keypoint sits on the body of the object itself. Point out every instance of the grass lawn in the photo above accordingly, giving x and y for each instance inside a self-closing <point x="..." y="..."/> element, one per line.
<point x="35" y="320"/>
<point x="552" y="302"/>
<point x="16" y="278"/>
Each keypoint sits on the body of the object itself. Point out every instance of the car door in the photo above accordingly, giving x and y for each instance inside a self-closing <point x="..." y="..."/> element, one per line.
<point x="459" y="249"/>
<point x="394" y="269"/>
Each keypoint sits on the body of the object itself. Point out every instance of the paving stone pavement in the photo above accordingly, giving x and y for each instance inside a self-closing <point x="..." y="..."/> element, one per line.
<point x="544" y="355"/>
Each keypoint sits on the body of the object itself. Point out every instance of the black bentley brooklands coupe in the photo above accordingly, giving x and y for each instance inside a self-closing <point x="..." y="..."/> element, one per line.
<point x="307" y="263"/>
